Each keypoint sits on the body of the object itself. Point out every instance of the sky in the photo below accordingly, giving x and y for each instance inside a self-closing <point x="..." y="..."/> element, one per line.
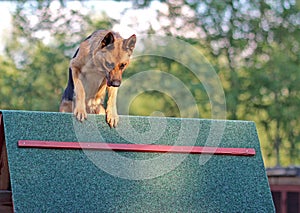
<point x="137" y="16"/>
<point x="5" y="20"/>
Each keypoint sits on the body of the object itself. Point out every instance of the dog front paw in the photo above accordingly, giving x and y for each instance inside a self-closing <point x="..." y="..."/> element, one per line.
<point x="80" y="113"/>
<point x="112" y="119"/>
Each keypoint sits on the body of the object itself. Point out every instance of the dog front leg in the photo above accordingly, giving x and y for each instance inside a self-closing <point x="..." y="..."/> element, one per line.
<point x="112" y="117"/>
<point x="80" y="107"/>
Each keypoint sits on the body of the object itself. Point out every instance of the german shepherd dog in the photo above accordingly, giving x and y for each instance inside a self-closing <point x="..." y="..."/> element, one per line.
<point x="97" y="66"/>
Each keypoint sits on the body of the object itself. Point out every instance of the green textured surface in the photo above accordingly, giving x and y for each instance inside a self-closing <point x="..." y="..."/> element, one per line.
<point x="51" y="180"/>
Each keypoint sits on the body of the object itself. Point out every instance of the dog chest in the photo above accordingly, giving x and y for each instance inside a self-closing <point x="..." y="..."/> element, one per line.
<point x="91" y="82"/>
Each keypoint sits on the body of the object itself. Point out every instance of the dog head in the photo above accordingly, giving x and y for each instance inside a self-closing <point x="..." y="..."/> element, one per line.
<point x="113" y="55"/>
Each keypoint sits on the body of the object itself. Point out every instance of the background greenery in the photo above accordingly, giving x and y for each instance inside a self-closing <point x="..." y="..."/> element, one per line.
<point x="254" y="46"/>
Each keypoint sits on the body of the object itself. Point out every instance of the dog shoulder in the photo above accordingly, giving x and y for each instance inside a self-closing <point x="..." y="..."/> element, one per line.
<point x="86" y="48"/>
<point x="82" y="55"/>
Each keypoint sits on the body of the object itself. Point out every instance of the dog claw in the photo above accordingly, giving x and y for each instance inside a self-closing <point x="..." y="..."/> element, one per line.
<point x="81" y="115"/>
<point x="112" y="121"/>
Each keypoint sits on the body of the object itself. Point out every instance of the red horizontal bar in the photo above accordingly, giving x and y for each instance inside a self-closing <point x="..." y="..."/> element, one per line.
<point x="136" y="147"/>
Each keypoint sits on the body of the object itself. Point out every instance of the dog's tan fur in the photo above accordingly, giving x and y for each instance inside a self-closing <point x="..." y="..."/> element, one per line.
<point x="96" y="67"/>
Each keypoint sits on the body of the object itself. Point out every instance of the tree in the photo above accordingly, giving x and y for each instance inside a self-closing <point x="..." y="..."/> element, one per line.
<point x="276" y="101"/>
<point x="44" y="37"/>
<point x="254" y="46"/>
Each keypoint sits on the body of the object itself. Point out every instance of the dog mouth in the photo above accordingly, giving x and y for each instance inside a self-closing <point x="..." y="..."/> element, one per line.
<point x="113" y="83"/>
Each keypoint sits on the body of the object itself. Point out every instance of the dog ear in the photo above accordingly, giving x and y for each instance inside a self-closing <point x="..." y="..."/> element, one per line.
<point x="107" y="40"/>
<point x="129" y="44"/>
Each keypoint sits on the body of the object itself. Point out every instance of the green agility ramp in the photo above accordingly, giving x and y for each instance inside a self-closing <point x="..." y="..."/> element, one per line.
<point x="146" y="164"/>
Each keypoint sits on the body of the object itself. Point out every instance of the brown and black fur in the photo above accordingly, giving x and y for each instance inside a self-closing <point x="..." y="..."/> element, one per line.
<point x="97" y="67"/>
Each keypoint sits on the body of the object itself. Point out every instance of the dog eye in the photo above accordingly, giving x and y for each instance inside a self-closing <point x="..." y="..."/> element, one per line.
<point x="122" y="66"/>
<point x="109" y="65"/>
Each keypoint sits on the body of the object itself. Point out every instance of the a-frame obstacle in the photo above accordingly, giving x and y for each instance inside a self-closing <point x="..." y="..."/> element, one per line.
<point x="146" y="164"/>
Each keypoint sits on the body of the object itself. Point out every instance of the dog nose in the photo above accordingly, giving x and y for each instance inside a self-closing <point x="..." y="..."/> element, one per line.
<point x="116" y="83"/>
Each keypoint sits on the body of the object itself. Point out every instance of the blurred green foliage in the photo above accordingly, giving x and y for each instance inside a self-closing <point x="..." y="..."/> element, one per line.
<point x="254" y="46"/>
